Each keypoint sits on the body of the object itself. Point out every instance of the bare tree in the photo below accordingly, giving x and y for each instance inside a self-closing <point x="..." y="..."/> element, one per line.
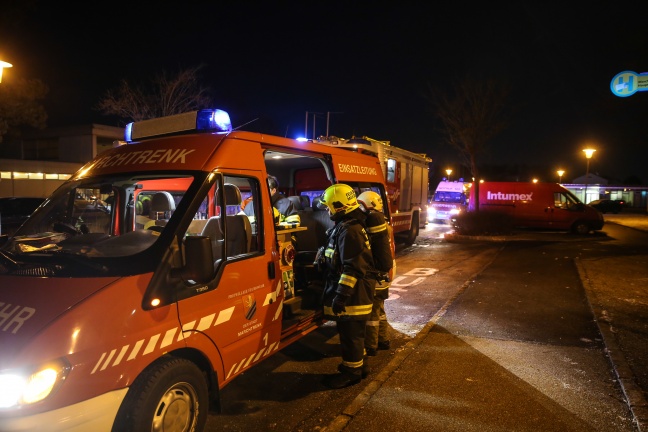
<point x="165" y="96"/>
<point x="20" y="106"/>
<point x="472" y="114"/>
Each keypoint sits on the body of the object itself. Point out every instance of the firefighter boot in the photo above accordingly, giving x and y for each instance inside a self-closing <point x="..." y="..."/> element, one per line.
<point x="366" y="369"/>
<point x="384" y="345"/>
<point x="346" y="377"/>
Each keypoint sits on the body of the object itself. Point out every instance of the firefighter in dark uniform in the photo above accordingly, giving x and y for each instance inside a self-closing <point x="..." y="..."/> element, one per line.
<point x="284" y="211"/>
<point x="282" y="207"/>
<point x="349" y="290"/>
<point x="376" y="337"/>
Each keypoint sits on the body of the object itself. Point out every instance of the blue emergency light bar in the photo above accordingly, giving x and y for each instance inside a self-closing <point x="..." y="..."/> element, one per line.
<point x="206" y="120"/>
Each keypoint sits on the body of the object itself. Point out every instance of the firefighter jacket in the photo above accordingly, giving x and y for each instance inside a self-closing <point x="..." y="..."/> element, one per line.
<point x="349" y="268"/>
<point x="379" y="238"/>
<point x="284" y="209"/>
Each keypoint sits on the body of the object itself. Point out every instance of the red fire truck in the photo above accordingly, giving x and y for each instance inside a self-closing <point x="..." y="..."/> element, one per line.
<point x="406" y="176"/>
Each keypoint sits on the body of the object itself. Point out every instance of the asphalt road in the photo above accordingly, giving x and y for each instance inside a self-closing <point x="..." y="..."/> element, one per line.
<point x="487" y="335"/>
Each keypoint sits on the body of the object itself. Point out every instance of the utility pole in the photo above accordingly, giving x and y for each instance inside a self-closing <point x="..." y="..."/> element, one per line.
<point x="315" y="114"/>
<point x="328" y="116"/>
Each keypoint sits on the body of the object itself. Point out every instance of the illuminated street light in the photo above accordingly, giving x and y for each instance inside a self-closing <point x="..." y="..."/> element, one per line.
<point x="4" y="64"/>
<point x="560" y="174"/>
<point x="448" y="171"/>
<point x="588" y="154"/>
<point x="535" y="180"/>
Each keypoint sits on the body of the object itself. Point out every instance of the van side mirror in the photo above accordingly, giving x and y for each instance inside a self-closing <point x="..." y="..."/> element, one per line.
<point x="198" y="260"/>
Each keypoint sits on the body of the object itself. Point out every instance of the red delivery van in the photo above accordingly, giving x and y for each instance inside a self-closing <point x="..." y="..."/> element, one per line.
<point x="537" y="205"/>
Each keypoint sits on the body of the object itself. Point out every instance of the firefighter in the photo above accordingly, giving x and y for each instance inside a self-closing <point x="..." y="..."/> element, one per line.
<point x="283" y="209"/>
<point x="378" y="229"/>
<point x="349" y="289"/>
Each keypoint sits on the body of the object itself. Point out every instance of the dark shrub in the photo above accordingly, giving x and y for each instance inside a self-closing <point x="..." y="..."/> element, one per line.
<point x="483" y="223"/>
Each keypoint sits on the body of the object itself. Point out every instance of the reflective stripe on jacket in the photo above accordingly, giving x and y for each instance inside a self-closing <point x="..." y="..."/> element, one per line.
<point x="350" y="268"/>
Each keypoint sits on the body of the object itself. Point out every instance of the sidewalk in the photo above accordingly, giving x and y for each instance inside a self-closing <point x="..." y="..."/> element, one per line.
<point x="633" y="220"/>
<point x="487" y="386"/>
<point x="624" y="335"/>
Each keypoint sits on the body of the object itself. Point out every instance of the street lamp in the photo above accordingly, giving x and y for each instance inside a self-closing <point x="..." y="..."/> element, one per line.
<point x="588" y="154"/>
<point x="4" y="64"/>
<point x="448" y="171"/>
<point x="560" y="174"/>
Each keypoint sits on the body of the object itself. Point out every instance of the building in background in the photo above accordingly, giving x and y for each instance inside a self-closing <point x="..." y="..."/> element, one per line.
<point x="43" y="160"/>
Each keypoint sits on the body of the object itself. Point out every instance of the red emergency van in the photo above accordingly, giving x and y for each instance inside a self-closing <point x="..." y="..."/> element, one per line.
<point x="537" y="205"/>
<point x="139" y="289"/>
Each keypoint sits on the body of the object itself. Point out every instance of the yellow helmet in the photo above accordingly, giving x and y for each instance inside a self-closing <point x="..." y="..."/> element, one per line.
<point x="340" y="199"/>
<point x="370" y="200"/>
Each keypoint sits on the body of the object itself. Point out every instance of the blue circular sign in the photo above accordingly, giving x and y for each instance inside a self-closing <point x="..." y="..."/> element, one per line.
<point x="624" y="83"/>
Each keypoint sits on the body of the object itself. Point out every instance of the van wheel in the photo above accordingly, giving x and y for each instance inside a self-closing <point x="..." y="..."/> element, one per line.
<point x="580" y="228"/>
<point x="171" y="394"/>
<point x="413" y="231"/>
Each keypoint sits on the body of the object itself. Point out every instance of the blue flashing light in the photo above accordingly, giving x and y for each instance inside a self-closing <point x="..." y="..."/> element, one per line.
<point x="213" y="120"/>
<point x="206" y="120"/>
<point x="128" y="132"/>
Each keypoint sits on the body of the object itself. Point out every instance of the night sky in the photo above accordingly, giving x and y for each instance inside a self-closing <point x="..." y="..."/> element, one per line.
<point x="368" y="64"/>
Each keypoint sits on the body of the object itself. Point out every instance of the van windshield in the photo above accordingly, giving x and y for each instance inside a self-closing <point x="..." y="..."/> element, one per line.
<point x="101" y="218"/>
<point x="451" y="197"/>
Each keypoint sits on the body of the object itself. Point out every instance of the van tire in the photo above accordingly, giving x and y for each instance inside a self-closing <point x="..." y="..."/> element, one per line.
<point x="171" y="394"/>
<point x="413" y="231"/>
<point x="580" y="228"/>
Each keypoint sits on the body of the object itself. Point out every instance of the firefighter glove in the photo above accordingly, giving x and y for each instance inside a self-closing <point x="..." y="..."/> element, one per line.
<point x="339" y="302"/>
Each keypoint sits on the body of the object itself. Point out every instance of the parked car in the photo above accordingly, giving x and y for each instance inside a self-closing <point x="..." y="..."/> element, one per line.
<point x="607" y="205"/>
<point x="15" y="210"/>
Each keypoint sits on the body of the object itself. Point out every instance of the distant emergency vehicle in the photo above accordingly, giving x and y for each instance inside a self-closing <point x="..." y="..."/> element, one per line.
<point x="139" y="289"/>
<point x="407" y="179"/>
<point x="450" y="199"/>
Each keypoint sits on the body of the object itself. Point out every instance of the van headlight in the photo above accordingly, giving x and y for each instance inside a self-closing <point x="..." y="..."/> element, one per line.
<point x="25" y="386"/>
<point x="455" y="211"/>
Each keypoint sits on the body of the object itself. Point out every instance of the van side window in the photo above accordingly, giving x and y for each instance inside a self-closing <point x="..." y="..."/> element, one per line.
<point x="560" y="201"/>
<point x="230" y="229"/>
<point x="565" y="201"/>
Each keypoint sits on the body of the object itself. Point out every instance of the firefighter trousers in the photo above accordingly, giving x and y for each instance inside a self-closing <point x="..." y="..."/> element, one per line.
<point x="376" y="325"/>
<point x="352" y="334"/>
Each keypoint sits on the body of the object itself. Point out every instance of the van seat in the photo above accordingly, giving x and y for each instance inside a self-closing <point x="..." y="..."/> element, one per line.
<point x="305" y="202"/>
<point x="161" y="208"/>
<point x="316" y="222"/>
<point x="142" y="211"/>
<point x="238" y="228"/>
<point x="213" y="230"/>
<point x="296" y="202"/>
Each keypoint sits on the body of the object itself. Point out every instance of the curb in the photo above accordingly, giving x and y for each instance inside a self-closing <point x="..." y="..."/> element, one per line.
<point x="526" y="236"/>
